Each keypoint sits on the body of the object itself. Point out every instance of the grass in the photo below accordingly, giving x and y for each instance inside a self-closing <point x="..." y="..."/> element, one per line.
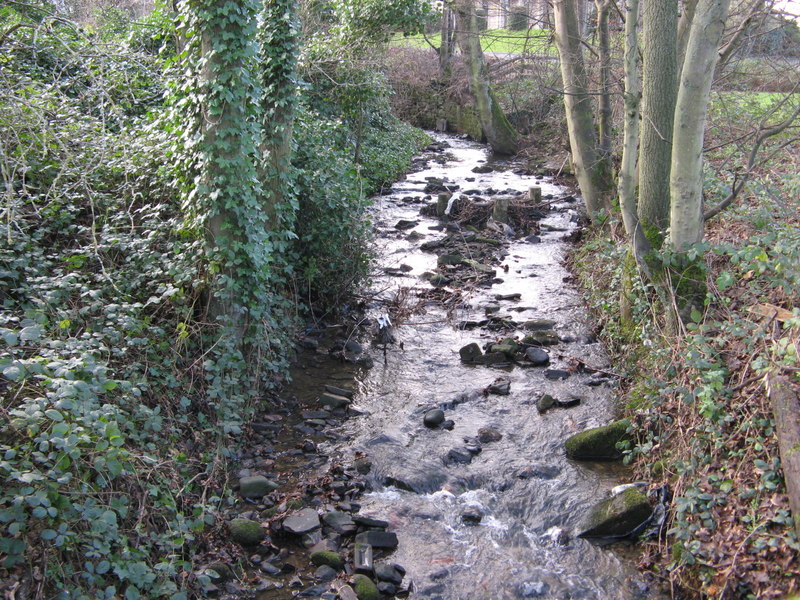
<point x="531" y="41"/>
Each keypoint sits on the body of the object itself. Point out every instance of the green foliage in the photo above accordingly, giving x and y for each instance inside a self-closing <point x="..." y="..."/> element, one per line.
<point x="372" y="21"/>
<point x="116" y="387"/>
<point x="99" y="281"/>
<point x="728" y="468"/>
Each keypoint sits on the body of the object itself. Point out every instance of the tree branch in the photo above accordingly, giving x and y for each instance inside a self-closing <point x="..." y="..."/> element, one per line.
<point x="751" y="161"/>
<point x="756" y="8"/>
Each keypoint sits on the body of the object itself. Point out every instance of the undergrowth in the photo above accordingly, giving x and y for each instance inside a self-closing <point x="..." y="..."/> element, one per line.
<point x="701" y="412"/>
<point x="112" y="454"/>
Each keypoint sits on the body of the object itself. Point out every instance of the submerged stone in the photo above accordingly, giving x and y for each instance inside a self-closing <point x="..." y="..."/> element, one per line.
<point x="537" y="357"/>
<point x="333" y="400"/>
<point x="545" y="403"/>
<point x="599" y="443"/>
<point x="546" y="337"/>
<point x="539" y="324"/>
<point x="471" y="353"/>
<point x="246" y="532"/>
<point x="327" y="558"/>
<point x="433" y="418"/>
<point x="487" y="435"/>
<point x="618" y="516"/>
<point x="256" y="486"/>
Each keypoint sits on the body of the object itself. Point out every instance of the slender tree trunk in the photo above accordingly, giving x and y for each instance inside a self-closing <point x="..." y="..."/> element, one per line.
<point x="604" y="124"/>
<point x="447" y="42"/>
<point x="604" y="121"/>
<point x="626" y="188"/>
<point x="579" y="112"/>
<point x="659" y="54"/>
<point x="498" y="131"/>
<point x="689" y="7"/>
<point x="686" y="180"/>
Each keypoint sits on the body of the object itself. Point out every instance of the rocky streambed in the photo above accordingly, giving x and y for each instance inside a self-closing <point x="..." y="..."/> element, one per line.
<point x="420" y="449"/>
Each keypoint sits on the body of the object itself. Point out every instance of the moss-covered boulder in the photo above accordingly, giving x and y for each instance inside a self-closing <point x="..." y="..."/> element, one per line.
<point x="599" y="443"/>
<point x="539" y="324"/>
<point x="330" y="559"/>
<point x="544" y="337"/>
<point x="618" y="516"/>
<point x="365" y="588"/>
<point x="508" y="346"/>
<point x="246" y="532"/>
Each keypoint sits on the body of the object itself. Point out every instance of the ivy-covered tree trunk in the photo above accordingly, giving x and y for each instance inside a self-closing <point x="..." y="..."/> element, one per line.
<point x="229" y="201"/>
<point x="279" y="42"/>
<point x="498" y="131"/>
<point x="228" y="177"/>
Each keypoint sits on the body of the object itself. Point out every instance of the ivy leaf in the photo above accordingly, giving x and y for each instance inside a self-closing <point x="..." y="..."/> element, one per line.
<point x="13" y="372"/>
<point x="10" y="337"/>
<point x="31" y="333"/>
<point x="53" y="415"/>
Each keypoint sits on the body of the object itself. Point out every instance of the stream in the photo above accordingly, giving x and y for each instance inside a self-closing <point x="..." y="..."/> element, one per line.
<point x="490" y="508"/>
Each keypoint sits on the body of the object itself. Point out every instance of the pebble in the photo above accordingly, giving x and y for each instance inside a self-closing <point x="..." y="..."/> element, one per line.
<point x="433" y="418"/>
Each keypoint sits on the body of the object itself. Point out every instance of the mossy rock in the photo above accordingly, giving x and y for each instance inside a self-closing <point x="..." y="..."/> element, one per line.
<point x="546" y="337"/>
<point x="471" y="353"/>
<point x="220" y="572"/>
<point x="509" y="350"/>
<point x="450" y="259"/>
<point x="599" y="443"/>
<point x="539" y="324"/>
<point x="365" y="588"/>
<point x="325" y="557"/>
<point x="247" y="532"/>
<point x="618" y="516"/>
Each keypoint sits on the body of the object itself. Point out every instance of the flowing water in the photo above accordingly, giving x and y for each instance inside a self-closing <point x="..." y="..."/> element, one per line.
<point x="528" y="496"/>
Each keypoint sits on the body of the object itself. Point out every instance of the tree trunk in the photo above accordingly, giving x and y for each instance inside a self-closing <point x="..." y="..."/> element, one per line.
<point x="604" y="124"/>
<point x="579" y="112"/>
<point x="689" y="7"/>
<point x="223" y="124"/>
<point x="278" y="51"/>
<point x="447" y="43"/>
<point x="686" y="179"/>
<point x="659" y="76"/>
<point x="496" y="128"/>
<point x="626" y="188"/>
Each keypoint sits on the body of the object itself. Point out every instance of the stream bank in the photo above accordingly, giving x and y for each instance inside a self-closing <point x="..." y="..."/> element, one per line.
<point x="434" y="426"/>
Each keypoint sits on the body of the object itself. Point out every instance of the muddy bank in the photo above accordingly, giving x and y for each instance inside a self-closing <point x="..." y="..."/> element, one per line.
<point x="439" y="450"/>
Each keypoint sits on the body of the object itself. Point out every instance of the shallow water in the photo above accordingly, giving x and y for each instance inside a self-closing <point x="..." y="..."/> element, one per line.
<point x="514" y="551"/>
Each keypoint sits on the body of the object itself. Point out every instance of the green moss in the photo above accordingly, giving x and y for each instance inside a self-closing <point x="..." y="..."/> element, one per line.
<point x="325" y="557"/>
<point x="618" y="516"/>
<point x="294" y="504"/>
<point x="246" y="532"/>
<point x="599" y="443"/>
<point x="365" y="588"/>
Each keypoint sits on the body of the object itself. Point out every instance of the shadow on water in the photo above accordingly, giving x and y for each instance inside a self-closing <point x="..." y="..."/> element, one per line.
<point x="497" y="523"/>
